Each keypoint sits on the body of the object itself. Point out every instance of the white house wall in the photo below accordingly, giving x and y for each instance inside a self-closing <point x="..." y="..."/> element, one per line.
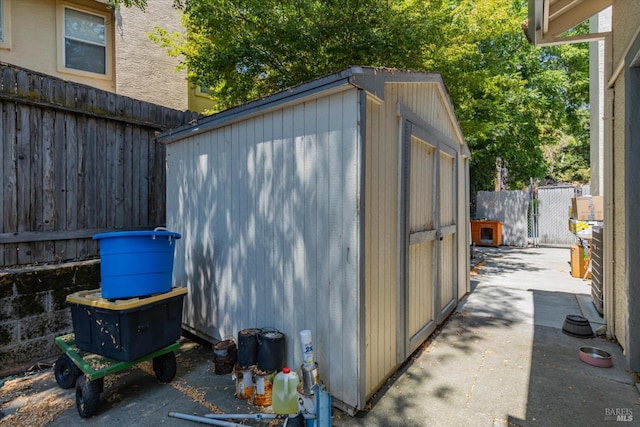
<point x="269" y="212"/>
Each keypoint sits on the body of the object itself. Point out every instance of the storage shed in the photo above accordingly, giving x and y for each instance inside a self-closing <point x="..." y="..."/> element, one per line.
<point x="340" y="206"/>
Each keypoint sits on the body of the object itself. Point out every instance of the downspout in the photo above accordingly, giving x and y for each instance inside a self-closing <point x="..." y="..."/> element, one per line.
<point x="609" y="219"/>
<point x="608" y="293"/>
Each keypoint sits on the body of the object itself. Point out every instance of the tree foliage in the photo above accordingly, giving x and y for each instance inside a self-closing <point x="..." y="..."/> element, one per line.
<point x="512" y="99"/>
<point x="251" y="48"/>
<point x="523" y="104"/>
<point x="140" y="4"/>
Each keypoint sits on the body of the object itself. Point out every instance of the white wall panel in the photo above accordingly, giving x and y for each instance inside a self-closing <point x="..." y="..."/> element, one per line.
<point x="510" y="207"/>
<point x="268" y="208"/>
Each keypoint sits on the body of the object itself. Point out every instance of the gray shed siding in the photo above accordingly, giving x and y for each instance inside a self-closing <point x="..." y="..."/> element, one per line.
<point x="381" y="246"/>
<point x="268" y="209"/>
<point x="293" y="215"/>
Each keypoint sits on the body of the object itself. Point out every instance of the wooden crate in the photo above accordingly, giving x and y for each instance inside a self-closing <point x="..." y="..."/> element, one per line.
<point x="580" y="262"/>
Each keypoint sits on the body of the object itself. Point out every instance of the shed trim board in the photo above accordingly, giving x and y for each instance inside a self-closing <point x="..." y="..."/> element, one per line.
<point x="448" y="233"/>
<point x="294" y="211"/>
<point x="362" y="338"/>
<point x="425" y="130"/>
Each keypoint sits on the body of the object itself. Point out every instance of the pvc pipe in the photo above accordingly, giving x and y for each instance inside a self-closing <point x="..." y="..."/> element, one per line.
<point x="204" y="420"/>
<point x="255" y="416"/>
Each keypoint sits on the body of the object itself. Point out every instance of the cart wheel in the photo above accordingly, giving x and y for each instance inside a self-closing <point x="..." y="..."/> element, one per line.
<point x="88" y="396"/>
<point x="66" y="372"/>
<point x="165" y="367"/>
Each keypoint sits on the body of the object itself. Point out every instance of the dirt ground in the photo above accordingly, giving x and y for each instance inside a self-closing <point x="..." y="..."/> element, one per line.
<point x="34" y="398"/>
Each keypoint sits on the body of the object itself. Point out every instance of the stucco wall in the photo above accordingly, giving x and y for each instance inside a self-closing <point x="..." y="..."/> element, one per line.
<point x="143" y="70"/>
<point x="626" y="16"/>
<point x="34" y="44"/>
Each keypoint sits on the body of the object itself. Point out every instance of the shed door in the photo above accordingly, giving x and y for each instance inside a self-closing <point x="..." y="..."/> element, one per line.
<point x="447" y="231"/>
<point x="428" y="209"/>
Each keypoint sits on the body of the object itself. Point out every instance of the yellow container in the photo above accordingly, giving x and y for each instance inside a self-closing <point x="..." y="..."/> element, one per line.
<point x="285" y="392"/>
<point x="126" y="330"/>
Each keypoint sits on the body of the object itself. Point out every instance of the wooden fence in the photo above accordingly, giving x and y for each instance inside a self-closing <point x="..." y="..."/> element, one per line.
<point x="75" y="161"/>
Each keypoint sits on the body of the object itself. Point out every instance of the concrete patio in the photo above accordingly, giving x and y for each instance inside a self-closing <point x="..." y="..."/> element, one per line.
<point x="500" y="360"/>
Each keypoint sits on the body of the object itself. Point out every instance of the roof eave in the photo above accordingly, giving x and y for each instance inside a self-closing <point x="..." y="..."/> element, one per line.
<point x="549" y="20"/>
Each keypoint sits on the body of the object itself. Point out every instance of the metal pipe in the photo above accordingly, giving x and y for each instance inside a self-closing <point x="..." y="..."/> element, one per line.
<point x="204" y="420"/>
<point x="242" y="416"/>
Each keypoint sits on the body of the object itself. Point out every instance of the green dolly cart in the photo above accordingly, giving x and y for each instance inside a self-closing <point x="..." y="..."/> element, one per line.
<point x="86" y="371"/>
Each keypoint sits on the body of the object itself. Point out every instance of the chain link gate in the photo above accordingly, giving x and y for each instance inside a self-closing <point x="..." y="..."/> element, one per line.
<point x="549" y="214"/>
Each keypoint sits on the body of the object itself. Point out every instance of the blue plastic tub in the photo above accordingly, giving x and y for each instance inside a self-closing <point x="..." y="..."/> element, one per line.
<point x="136" y="263"/>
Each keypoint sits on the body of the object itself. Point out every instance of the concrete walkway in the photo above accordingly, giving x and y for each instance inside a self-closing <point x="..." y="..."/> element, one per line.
<point x="500" y="360"/>
<point x="503" y="360"/>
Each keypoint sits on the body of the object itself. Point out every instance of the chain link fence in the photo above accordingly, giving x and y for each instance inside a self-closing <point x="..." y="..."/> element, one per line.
<point x="549" y="215"/>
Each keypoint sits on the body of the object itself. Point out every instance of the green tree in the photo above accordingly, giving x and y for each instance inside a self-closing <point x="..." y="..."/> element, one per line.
<point x="251" y="48"/>
<point x="513" y="100"/>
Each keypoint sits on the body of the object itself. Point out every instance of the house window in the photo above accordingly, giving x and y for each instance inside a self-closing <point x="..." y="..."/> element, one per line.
<point x="85" y="41"/>
<point x="5" y="24"/>
<point x="203" y="91"/>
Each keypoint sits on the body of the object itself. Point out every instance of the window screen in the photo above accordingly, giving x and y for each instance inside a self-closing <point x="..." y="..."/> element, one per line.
<point x="84" y="41"/>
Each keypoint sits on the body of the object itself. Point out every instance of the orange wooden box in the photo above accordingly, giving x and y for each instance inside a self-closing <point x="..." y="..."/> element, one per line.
<point x="486" y="233"/>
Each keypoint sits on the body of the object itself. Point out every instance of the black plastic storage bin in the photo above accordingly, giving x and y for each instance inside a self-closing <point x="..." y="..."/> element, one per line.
<point x="126" y="330"/>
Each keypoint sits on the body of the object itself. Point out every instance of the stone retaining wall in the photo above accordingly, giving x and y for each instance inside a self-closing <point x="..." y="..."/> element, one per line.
<point x="33" y="310"/>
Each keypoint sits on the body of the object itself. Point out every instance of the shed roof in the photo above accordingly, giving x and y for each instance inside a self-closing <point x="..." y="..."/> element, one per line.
<point x="370" y="79"/>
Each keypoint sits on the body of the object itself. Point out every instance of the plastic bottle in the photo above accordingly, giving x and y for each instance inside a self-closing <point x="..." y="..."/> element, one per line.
<point x="285" y="393"/>
<point x="307" y="349"/>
